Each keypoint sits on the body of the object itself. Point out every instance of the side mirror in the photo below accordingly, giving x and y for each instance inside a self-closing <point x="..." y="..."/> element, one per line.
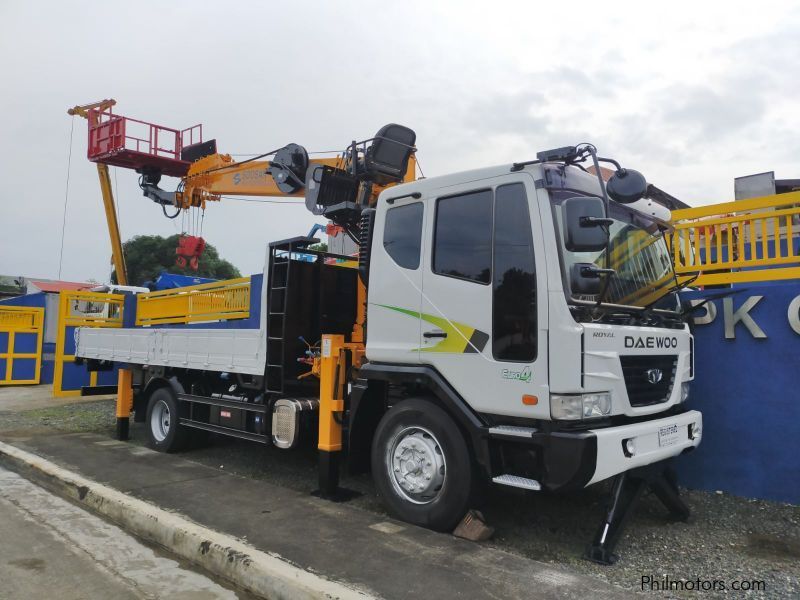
<point x="626" y="186"/>
<point x="584" y="279"/>
<point x="583" y="220"/>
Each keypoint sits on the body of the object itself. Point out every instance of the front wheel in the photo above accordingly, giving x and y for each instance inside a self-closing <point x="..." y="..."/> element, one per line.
<point x="421" y="465"/>
<point x="164" y="431"/>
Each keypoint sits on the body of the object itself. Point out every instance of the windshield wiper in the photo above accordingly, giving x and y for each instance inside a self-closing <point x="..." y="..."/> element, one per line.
<point x="684" y="314"/>
<point x="675" y="288"/>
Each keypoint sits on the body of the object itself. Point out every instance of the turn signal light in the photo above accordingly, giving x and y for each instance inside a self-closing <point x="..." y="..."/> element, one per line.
<point x="529" y="400"/>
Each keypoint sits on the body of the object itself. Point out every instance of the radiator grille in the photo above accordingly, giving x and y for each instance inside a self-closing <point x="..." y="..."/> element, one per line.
<point x="640" y="373"/>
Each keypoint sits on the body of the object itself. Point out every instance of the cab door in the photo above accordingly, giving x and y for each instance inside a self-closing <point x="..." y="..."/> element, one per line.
<point x="484" y="303"/>
<point x="395" y="281"/>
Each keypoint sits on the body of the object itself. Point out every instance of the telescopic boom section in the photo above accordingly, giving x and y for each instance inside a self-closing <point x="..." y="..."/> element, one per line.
<point x="217" y="175"/>
<point x="337" y="187"/>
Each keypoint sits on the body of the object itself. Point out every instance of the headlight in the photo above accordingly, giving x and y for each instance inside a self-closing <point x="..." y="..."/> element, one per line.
<point x="685" y="387"/>
<point x="573" y="407"/>
<point x="565" y="407"/>
<point x="596" y="405"/>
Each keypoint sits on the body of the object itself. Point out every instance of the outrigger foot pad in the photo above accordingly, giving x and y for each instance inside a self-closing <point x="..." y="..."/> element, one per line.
<point x="329" y="488"/>
<point x="328" y="473"/>
<point x="123" y="428"/>
<point x="626" y="491"/>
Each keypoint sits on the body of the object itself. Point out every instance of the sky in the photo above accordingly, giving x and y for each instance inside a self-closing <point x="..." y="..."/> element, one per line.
<point x="691" y="94"/>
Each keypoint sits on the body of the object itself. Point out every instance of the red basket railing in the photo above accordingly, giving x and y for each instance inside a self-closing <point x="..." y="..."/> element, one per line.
<point x="131" y="143"/>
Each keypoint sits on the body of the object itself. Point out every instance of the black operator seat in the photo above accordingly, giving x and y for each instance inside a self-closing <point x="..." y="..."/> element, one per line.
<point x="386" y="159"/>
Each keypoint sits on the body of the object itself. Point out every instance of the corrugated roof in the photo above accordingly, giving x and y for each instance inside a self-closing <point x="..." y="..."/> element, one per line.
<point x="60" y="286"/>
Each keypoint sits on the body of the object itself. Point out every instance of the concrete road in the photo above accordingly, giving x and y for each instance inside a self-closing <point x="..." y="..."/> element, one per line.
<point x="384" y="558"/>
<point x="50" y="548"/>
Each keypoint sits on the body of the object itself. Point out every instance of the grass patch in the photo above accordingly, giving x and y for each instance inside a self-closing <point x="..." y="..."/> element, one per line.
<point x="97" y="416"/>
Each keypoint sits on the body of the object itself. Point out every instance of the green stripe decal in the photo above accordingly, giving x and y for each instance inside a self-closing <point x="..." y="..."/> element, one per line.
<point x="457" y="333"/>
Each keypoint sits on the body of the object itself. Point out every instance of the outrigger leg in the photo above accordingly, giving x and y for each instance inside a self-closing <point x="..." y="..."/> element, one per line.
<point x="124" y="404"/>
<point x="626" y="491"/>
<point x="331" y="404"/>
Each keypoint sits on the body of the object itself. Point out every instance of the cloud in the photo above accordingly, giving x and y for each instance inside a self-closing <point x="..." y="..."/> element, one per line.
<point x="701" y="113"/>
<point x="521" y="113"/>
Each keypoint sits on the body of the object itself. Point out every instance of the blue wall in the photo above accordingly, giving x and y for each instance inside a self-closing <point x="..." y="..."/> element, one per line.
<point x="36" y="300"/>
<point x="749" y="392"/>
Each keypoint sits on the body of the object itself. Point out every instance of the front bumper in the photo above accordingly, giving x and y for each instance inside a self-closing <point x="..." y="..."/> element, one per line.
<point x="611" y="458"/>
<point x="577" y="459"/>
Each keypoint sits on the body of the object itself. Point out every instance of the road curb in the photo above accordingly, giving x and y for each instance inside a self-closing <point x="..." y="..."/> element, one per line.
<point x="256" y="571"/>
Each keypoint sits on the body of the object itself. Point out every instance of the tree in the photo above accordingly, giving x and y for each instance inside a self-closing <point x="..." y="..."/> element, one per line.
<point x="147" y="255"/>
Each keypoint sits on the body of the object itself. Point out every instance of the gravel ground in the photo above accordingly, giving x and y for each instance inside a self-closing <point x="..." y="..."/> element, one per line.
<point x="727" y="539"/>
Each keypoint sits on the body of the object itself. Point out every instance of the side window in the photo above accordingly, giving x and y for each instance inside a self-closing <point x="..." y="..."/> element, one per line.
<point x="402" y="234"/>
<point x="514" y="281"/>
<point x="462" y="245"/>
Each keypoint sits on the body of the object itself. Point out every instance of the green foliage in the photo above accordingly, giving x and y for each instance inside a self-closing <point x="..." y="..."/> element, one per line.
<point x="321" y="247"/>
<point x="147" y="255"/>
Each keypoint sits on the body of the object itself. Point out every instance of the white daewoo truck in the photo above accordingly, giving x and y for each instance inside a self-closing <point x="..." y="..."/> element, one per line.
<point x="514" y="325"/>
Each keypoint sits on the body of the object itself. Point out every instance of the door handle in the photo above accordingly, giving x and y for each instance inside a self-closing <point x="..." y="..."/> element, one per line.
<point x="434" y="334"/>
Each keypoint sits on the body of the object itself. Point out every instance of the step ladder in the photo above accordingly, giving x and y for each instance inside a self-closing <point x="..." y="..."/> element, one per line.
<point x="518" y="482"/>
<point x="512" y="432"/>
<point x="280" y="263"/>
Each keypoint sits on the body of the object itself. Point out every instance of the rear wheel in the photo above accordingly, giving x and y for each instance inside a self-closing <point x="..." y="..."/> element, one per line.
<point x="421" y="465"/>
<point x="164" y="431"/>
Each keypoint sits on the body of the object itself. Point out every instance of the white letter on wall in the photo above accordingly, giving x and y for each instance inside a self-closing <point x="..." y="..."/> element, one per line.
<point x="711" y="312"/>
<point x="794" y="315"/>
<point x="742" y="314"/>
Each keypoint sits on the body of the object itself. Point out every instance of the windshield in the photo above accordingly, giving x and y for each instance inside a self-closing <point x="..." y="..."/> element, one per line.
<point x="638" y="253"/>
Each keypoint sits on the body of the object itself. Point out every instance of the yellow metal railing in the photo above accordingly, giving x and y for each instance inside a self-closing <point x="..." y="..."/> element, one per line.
<point x="15" y="322"/>
<point x="82" y="309"/>
<point x="229" y="299"/>
<point x="20" y="317"/>
<point x="735" y="242"/>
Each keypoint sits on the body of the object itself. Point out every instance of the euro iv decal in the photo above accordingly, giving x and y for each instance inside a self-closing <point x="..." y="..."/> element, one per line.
<point x="524" y="375"/>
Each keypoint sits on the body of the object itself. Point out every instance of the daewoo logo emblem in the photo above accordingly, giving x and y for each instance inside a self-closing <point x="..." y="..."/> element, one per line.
<point x="654" y="375"/>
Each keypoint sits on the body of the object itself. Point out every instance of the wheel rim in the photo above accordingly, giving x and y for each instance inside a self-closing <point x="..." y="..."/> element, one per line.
<point x="416" y="465"/>
<point x="160" y="421"/>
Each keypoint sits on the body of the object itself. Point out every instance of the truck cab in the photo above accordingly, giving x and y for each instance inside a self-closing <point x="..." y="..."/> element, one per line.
<point x="480" y="304"/>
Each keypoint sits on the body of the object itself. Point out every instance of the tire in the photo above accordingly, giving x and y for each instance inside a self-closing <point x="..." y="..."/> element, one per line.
<point x="421" y="465"/>
<point x="164" y="432"/>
